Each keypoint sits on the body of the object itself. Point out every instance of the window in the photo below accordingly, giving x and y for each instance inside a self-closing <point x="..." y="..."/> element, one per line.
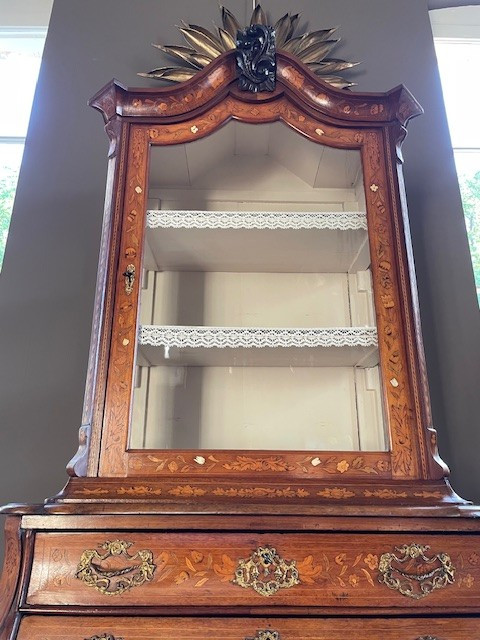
<point x="458" y="55"/>
<point x="20" y="56"/>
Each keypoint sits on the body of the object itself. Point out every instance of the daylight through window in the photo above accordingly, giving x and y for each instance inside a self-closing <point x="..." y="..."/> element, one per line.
<point x="20" y="56"/>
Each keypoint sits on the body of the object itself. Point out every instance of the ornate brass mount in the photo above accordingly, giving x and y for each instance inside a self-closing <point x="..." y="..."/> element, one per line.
<point x="428" y="638"/>
<point x="104" y="636"/>
<point x="266" y="634"/>
<point x="312" y="48"/>
<point x="413" y="573"/>
<point x="129" y="276"/>
<point x="103" y="572"/>
<point x="266" y="572"/>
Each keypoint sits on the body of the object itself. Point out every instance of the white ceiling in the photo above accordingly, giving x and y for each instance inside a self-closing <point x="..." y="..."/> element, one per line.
<point x="441" y="4"/>
<point x="458" y="22"/>
<point x="234" y="154"/>
<point x="25" y="13"/>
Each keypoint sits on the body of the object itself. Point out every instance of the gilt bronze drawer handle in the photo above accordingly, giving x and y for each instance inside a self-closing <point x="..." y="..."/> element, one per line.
<point x="104" y="636"/>
<point x="266" y="572"/>
<point x="107" y="574"/>
<point x="413" y="573"/>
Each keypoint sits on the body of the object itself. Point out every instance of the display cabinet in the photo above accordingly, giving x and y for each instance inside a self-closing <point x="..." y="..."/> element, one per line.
<point x="257" y="457"/>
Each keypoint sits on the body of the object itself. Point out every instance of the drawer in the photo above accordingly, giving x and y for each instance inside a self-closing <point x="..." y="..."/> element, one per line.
<point x="145" y="628"/>
<point x="326" y="571"/>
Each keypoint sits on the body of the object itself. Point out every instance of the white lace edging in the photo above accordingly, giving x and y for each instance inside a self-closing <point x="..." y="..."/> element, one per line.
<point x="333" y="220"/>
<point x="259" y="337"/>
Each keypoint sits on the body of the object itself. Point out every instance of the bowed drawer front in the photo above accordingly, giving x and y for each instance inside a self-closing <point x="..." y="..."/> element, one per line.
<point x="123" y="628"/>
<point x="401" y="570"/>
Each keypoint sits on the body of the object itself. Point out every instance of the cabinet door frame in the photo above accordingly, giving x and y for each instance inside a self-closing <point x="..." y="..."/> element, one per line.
<point x="371" y="123"/>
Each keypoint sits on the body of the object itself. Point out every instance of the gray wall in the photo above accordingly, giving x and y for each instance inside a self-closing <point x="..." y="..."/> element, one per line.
<point x="47" y="283"/>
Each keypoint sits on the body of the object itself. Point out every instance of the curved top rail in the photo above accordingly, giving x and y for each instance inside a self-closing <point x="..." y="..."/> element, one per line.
<point x="215" y="81"/>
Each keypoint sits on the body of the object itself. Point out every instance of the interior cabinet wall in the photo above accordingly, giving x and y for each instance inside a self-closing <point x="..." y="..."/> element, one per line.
<point x="312" y="408"/>
<point x="257" y="299"/>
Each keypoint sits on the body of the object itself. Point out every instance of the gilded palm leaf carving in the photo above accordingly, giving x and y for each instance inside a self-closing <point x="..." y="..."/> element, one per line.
<point x="312" y="48"/>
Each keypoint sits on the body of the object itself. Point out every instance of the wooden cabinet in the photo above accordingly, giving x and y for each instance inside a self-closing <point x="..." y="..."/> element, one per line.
<point x="256" y="454"/>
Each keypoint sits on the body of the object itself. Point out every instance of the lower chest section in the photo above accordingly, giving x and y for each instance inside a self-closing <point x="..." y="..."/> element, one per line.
<point x="220" y="572"/>
<point x="143" y="628"/>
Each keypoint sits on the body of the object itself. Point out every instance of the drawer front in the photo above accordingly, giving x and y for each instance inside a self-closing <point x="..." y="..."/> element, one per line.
<point x="257" y="570"/>
<point x="123" y="628"/>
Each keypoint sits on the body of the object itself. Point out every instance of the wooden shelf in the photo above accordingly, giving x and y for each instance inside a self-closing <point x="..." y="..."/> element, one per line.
<point x="303" y="242"/>
<point x="257" y="346"/>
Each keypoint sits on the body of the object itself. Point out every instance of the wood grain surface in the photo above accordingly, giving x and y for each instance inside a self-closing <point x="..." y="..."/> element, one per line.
<point x="198" y="569"/>
<point x="11" y="570"/>
<point x="131" y="628"/>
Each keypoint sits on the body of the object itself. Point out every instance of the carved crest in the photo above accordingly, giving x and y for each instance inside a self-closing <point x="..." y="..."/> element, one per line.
<point x="255" y="55"/>
<point x="313" y="48"/>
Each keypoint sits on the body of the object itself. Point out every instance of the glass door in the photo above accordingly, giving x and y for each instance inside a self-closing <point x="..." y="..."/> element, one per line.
<point x="257" y="321"/>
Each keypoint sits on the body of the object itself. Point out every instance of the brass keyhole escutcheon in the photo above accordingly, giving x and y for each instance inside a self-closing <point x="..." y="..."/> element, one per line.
<point x="129" y="275"/>
<point x="266" y="572"/>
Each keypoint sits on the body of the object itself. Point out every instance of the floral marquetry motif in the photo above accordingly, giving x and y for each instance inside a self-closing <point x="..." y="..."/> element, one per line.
<point x="349" y="464"/>
<point x="403" y="419"/>
<point x="266" y="572"/>
<point x="293" y="493"/>
<point x="413" y="573"/>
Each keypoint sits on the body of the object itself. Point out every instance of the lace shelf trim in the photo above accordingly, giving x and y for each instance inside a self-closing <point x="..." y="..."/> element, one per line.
<point x="258" y="337"/>
<point x="333" y="220"/>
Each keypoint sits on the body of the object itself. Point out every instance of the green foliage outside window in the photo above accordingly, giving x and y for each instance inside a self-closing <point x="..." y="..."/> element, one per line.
<point x="470" y="190"/>
<point x="8" y="183"/>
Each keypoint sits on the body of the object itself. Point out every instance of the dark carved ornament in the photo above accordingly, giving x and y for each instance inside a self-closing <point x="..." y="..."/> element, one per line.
<point x="255" y="55"/>
<point x="312" y="48"/>
<point x="104" y="636"/>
